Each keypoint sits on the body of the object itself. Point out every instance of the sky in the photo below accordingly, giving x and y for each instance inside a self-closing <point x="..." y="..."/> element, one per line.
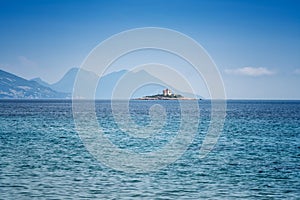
<point x="255" y="44"/>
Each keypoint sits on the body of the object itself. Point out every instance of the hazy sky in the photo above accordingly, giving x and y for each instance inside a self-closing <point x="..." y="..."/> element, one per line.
<point x="255" y="44"/>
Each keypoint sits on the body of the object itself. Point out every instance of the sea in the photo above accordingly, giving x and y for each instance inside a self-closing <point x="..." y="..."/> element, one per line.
<point x="257" y="155"/>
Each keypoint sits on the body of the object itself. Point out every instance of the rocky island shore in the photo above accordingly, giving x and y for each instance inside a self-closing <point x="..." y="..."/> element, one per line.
<point x="166" y="95"/>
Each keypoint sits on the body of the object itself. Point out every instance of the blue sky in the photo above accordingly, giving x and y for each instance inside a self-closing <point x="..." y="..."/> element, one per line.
<point x="255" y="44"/>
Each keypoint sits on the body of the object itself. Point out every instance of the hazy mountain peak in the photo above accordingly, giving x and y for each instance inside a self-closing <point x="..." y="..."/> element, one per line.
<point x="66" y="83"/>
<point x="41" y="82"/>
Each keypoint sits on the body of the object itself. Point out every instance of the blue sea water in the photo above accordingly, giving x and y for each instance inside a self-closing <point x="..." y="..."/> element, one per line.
<point x="257" y="155"/>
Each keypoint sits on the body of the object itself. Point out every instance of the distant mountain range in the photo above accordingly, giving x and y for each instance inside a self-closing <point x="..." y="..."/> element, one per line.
<point x="12" y="86"/>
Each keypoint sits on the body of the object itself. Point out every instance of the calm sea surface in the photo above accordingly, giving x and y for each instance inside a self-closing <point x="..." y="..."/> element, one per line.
<point x="256" y="157"/>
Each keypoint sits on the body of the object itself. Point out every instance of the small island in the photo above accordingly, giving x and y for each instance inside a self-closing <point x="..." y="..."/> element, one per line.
<point x="166" y="95"/>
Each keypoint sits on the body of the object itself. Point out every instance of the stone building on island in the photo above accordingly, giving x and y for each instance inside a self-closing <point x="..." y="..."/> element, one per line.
<point x="167" y="92"/>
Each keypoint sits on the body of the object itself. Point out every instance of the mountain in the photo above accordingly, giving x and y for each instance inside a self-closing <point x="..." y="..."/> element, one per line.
<point x="130" y="81"/>
<point x="107" y="84"/>
<point x="67" y="82"/>
<point x="143" y="83"/>
<point x="41" y="82"/>
<point x="12" y="86"/>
